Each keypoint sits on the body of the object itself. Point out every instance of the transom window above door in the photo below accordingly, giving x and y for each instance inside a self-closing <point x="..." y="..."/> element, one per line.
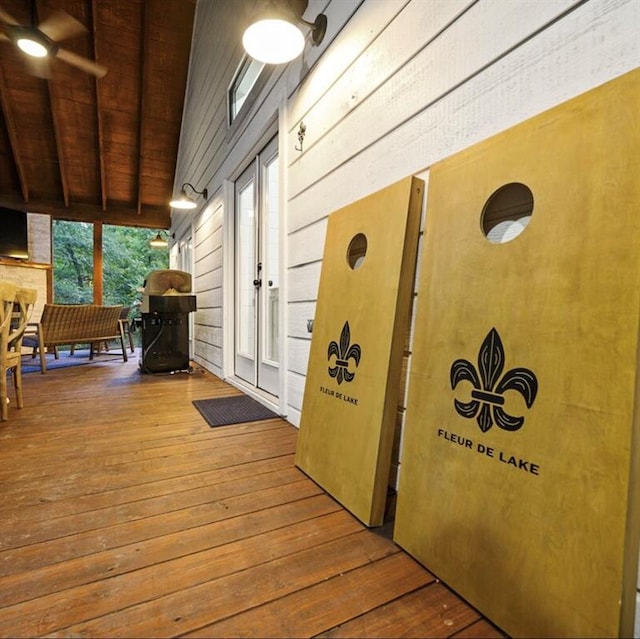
<point x="244" y="80"/>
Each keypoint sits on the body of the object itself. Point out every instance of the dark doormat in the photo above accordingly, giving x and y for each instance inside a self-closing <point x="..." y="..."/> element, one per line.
<point x="223" y="411"/>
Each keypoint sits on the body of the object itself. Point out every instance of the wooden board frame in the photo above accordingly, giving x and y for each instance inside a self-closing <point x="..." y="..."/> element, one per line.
<point x="529" y="508"/>
<point x="361" y="321"/>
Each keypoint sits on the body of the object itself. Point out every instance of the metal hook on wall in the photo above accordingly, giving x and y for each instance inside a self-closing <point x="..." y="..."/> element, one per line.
<point x="301" y="133"/>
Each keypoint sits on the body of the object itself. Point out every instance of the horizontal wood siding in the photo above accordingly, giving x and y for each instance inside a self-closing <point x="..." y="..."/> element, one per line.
<point x="434" y="79"/>
<point x="207" y="284"/>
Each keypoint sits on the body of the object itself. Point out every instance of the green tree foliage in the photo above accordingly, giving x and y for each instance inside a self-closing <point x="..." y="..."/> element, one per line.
<point x="127" y="260"/>
<point x="72" y="262"/>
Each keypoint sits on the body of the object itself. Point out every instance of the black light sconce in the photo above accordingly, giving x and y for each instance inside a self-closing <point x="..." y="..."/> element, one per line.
<point x="185" y="201"/>
<point x="274" y="37"/>
<point x="160" y="240"/>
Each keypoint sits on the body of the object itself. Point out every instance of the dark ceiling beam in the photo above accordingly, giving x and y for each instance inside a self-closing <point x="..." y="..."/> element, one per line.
<point x="144" y="62"/>
<point x="13" y="137"/>
<point x="154" y="217"/>
<point x="55" y="122"/>
<point x="100" y="141"/>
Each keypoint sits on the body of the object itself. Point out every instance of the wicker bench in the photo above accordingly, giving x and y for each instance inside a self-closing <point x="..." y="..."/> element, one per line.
<point x="70" y="324"/>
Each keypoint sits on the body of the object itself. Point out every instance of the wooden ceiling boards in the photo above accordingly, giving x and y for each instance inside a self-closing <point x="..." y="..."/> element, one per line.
<point x="361" y="320"/>
<point x="97" y="149"/>
<point x="535" y="520"/>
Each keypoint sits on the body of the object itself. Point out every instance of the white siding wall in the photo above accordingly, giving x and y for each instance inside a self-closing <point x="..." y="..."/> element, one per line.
<point x="396" y="86"/>
<point x="207" y="283"/>
<point x="212" y="154"/>
<point x="406" y="84"/>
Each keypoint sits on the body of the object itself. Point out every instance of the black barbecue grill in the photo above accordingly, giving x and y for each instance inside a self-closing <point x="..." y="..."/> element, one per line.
<point x="166" y="303"/>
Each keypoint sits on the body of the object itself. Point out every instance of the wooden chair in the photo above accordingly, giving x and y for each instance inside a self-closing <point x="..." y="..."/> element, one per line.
<point x="7" y="298"/>
<point x="11" y="334"/>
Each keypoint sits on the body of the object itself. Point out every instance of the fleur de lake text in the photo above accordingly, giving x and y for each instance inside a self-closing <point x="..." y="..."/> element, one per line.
<point x="487" y="451"/>
<point x="339" y="395"/>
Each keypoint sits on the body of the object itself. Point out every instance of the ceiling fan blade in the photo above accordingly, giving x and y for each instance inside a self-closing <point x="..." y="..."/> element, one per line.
<point x="3" y="37"/>
<point x="39" y="67"/>
<point x="84" y="64"/>
<point x="60" y="25"/>
<point x="6" y="17"/>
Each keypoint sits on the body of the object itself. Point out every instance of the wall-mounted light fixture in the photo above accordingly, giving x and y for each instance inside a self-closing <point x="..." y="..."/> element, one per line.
<point x="185" y="201"/>
<point x="160" y="240"/>
<point x="274" y="37"/>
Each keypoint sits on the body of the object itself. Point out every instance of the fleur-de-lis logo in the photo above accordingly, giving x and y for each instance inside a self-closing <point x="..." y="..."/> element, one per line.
<point x="487" y="400"/>
<point x="343" y="353"/>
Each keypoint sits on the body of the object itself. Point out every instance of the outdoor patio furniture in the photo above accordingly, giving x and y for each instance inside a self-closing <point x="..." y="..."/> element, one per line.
<point x="71" y="324"/>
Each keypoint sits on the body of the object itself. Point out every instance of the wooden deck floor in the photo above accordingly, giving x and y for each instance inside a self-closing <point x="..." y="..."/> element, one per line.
<point x="124" y="514"/>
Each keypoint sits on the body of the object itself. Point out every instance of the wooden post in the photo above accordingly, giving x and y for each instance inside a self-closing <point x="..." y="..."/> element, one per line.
<point x="98" y="263"/>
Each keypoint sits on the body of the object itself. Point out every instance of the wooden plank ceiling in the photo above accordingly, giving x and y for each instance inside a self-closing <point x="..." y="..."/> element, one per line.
<point x="80" y="147"/>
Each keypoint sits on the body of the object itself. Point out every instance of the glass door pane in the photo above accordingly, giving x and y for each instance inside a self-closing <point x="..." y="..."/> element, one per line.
<point x="246" y="257"/>
<point x="245" y="274"/>
<point x="271" y="261"/>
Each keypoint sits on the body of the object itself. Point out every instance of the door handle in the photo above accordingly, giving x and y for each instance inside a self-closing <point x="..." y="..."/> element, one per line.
<point x="257" y="283"/>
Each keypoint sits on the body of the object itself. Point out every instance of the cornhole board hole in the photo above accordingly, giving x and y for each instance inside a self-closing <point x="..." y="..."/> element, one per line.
<point x="361" y="321"/>
<point x="519" y="476"/>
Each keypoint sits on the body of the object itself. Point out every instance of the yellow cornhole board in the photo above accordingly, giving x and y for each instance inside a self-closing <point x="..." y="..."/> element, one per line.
<point x="519" y="477"/>
<point x="360" y="325"/>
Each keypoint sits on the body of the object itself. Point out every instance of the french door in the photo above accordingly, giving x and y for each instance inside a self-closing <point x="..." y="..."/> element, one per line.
<point x="257" y="272"/>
